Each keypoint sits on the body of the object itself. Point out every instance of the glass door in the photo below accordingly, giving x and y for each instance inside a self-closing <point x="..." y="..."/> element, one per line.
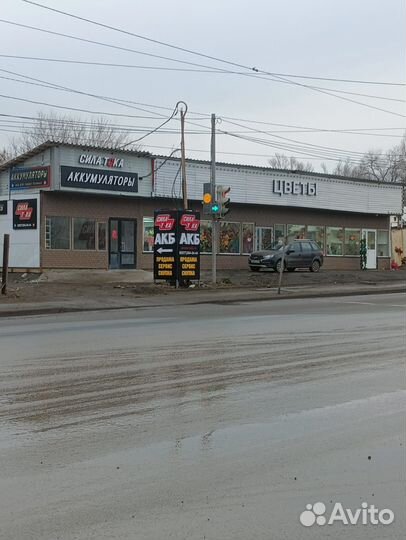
<point x="370" y="237"/>
<point x="122" y="245"/>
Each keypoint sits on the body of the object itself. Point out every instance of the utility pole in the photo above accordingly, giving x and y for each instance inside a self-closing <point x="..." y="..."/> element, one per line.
<point x="183" y="157"/>
<point x="214" y="228"/>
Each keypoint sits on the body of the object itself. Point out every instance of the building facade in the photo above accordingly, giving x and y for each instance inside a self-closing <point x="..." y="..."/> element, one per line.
<point x="68" y="206"/>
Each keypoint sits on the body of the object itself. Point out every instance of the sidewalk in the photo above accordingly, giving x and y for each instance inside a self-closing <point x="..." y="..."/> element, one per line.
<point x="84" y="291"/>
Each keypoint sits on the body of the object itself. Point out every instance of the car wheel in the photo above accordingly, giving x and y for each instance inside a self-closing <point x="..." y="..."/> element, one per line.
<point x="291" y="269"/>
<point x="254" y="268"/>
<point x="315" y="267"/>
<point x="279" y="265"/>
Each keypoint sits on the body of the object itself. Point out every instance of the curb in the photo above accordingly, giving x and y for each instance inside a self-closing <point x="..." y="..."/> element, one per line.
<point x="222" y="301"/>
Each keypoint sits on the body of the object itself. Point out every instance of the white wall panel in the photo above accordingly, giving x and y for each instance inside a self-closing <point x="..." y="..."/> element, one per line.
<point x="69" y="156"/>
<point x="24" y="244"/>
<point x="256" y="186"/>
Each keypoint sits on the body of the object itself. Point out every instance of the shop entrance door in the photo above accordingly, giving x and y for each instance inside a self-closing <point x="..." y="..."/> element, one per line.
<point x="370" y="237"/>
<point x="122" y="245"/>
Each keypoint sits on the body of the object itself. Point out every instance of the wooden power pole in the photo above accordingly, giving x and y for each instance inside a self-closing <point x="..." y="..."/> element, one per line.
<point x="183" y="157"/>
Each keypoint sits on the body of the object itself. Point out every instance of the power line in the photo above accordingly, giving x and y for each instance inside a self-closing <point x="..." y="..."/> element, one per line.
<point x="227" y="72"/>
<point x="50" y="85"/>
<point x="174" y="113"/>
<point x="120" y="102"/>
<point x="232" y="153"/>
<point x="25" y="121"/>
<point x="299" y="129"/>
<point x="203" y="55"/>
<point x="314" y="153"/>
<point x="252" y="72"/>
<point x="295" y="141"/>
<point x="65" y="107"/>
<point x="208" y="70"/>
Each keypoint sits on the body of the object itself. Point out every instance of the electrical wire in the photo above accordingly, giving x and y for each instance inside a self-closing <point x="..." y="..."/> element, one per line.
<point x="252" y="72"/>
<point x="174" y="113"/>
<point x="161" y="165"/>
<point x="208" y="70"/>
<point x="47" y="84"/>
<point x="190" y="51"/>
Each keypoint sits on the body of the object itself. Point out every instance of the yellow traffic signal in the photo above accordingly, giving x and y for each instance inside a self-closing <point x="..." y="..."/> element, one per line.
<point x="207" y="198"/>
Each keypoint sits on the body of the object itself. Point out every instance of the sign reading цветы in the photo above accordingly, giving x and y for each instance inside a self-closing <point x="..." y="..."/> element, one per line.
<point x="99" y="179"/>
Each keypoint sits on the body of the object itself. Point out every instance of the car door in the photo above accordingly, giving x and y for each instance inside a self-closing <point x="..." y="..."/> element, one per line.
<point x="307" y="254"/>
<point x="294" y="255"/>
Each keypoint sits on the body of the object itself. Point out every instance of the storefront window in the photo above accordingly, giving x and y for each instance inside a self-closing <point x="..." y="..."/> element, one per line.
<point x="279" y="233"/>
<point x="84" y="233"/>
<point x="263" y="238"/>
<point x="247" y="237"/>
<point x="352" y="240"/>
<point x="101" y="236"/>
<point x="316" y="233"/>
<point x="383" y="244"/>
<point x="334" y="240"/>
<point x="296" y="232"/>
<point x="57" y="232"/>
<point x="148" y="234"/>
<point x="205" y="236"/>
<point x="229" y="237"/>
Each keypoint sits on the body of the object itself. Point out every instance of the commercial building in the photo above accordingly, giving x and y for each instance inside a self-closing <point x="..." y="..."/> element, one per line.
<point x="69" y="206"/>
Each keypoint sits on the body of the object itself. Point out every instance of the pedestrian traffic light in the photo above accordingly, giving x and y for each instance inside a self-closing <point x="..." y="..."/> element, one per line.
<point x="223" y="200"/>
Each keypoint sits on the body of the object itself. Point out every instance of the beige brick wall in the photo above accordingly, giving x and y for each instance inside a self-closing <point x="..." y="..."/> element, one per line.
<point x="102" y="208"/>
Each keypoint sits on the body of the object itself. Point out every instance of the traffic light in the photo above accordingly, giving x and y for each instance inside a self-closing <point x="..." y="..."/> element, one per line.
<point x="223" y="200"/>
<point x="208" y="199"/>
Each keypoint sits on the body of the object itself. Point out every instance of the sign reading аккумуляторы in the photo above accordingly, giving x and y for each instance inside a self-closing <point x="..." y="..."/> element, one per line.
<point x="99" y="179"/>
<point x="30" y="177"/>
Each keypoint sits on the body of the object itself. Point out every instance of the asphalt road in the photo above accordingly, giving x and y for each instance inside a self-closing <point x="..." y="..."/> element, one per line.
<point x="201" y="422"/>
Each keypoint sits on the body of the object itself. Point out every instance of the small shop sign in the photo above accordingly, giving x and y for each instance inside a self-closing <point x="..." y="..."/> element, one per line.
<point x="25" y="214"/>
<point x="30" y="177"/>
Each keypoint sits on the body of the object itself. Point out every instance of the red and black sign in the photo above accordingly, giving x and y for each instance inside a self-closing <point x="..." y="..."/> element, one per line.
<point x="188" y="246"/>
<point x="25" y="214"/>
<point x="165" y="245"/>
<point x="176" y="245"/>
<point x="30" y="177"/>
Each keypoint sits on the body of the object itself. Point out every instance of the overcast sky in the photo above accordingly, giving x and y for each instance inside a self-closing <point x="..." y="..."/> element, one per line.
<point x="345" y="39"/>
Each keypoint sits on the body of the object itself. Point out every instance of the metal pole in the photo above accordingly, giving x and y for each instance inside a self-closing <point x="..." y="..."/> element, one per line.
<point x="4" y="275"/>
<point x="214" y="231"/>
<point x="282" y="267"/>
<point x="183" y="159"/>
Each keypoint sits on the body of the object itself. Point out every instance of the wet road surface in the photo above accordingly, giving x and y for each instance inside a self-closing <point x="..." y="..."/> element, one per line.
<point x="203" y="422"/>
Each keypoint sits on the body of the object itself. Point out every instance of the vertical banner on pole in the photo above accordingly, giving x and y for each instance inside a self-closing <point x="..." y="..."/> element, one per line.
<point x="188" y="245"/>
<point x="165" y="245"/>
<point x="176" y="245"/>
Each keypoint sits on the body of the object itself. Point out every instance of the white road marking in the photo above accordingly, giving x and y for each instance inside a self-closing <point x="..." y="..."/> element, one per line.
<point x="374" y="304"/>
